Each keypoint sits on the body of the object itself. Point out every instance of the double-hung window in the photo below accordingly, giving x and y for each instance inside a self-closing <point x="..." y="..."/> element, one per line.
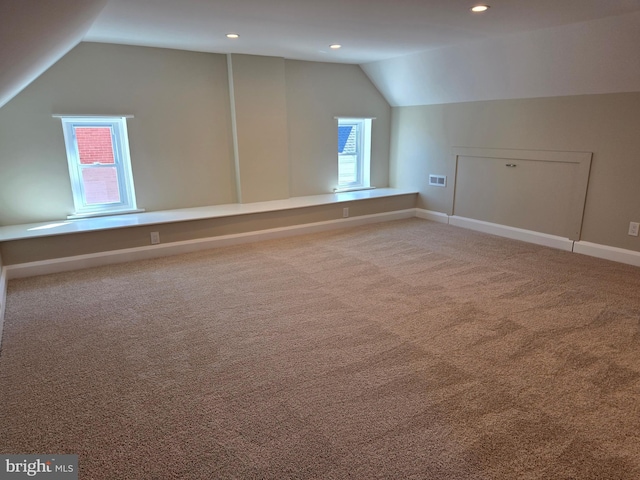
<point x="99" y="165"/>
<point x="354" y="153"/>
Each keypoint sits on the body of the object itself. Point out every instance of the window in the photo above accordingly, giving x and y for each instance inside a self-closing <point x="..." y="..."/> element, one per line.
<point x="99" y="165"/>
<point x="354" y="153"/>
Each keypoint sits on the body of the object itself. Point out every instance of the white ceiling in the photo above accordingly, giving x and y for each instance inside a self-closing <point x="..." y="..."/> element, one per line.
<point x="369" y="30"/>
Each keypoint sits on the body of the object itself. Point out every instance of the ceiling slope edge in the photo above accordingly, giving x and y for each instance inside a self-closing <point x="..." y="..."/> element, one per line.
<point x="35" y="34"/>
<point x="593" y="57"/>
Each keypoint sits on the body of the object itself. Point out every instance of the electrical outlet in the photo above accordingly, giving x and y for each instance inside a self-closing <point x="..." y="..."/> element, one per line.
<point x="155" y="238"/>
<point x="345" y="212"/>
<point x="633" y="228"/>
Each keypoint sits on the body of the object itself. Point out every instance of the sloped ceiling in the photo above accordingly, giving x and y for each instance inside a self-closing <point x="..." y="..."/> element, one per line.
<point x="600" y="56"/>
<point x="369" y="30"/>
<point x="415" y="51"/>
<point x="34" y="34"/>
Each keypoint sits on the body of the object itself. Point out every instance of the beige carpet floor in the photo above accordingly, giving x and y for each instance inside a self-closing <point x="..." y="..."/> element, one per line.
<point x="404" y="350"/>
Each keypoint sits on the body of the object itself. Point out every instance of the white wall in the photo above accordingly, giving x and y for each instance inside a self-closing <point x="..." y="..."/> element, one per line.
<point x="569" y="88"/>
<point x="316" y="93"/>
<point x="607" y="125"/>
<point x="259" y="101"/>
<point x="593" y="57"/>
<point x="181" y="136"/>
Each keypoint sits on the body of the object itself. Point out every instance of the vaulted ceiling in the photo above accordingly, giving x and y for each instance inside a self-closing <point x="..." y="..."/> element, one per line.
<point x="36" y="33"/>
<point x="368" y="30"/>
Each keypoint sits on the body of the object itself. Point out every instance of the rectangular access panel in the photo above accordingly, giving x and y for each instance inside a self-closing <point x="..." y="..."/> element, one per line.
<point x="542" y="191"/>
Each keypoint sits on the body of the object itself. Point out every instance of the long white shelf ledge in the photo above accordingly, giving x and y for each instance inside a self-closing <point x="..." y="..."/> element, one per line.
<point x="62" y="227"/>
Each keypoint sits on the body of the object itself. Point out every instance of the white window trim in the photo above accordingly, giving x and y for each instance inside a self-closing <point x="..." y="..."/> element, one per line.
<point x="364" y="159"/>
<point x="122" y="163"/>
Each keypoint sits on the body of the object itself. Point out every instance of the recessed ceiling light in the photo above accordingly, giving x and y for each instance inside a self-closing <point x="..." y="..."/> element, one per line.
<point x="335" y="46"/>
<point x="233" y="35"/>
<point x="480" y="8"/>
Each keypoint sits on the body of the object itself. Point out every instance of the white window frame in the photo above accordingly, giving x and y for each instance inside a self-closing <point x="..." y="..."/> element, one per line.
<point x="363" y="153"/>
<point x="122" y="163"/>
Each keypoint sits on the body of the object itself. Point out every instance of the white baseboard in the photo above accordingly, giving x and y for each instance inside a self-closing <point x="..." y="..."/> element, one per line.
<point x="605" y="252"/>
<point x="431" y="215"/>
<point x="530" y="236"/>
<point x="77" y="262"/>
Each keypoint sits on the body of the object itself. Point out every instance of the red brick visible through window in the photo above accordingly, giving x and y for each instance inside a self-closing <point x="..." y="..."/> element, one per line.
<point x="100" y="183"/>
<point x="94" y="145"/>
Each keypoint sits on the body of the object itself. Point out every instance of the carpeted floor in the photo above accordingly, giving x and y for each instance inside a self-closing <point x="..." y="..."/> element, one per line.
<point x="404" y="350"/>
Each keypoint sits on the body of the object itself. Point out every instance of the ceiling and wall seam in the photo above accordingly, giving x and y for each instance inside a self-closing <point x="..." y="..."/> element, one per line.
<point x="593" y="57"/>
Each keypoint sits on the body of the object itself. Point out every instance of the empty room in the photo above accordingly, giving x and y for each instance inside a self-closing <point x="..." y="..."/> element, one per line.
<point x="288" y="239"/>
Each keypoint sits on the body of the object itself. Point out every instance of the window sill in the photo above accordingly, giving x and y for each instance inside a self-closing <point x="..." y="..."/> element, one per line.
<point x="77" y="216"/>
<point x="353" y="189"/>
<point x="109" y="222"/>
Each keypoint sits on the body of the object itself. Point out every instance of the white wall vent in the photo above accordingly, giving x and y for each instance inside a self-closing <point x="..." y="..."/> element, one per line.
<point x="438" y="180"/>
